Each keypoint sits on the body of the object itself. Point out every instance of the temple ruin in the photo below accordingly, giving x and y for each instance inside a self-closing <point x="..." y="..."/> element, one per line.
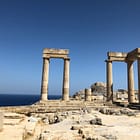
<point x="47" y="55"/>
<point x="129" y="59"/>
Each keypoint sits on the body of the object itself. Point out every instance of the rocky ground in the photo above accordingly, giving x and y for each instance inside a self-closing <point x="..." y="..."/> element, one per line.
<point x="105" y="123"/>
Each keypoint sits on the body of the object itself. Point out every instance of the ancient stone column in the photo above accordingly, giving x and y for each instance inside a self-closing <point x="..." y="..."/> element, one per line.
<point x="130" y="76"/>
<point x="109" y="81"/>
<point x="1" y="121"/>
<point x="44" y="85"/>
<point x="65" y="96"/>
<point x="87" y="94"/>
<point x="138" y="79"/>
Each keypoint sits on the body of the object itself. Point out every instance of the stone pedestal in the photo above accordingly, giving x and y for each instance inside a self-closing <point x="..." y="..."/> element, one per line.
<point x="87" y="94"/>
<point x="44" y="86"/>
<point x="109" y="81"/>
<point x="65" y="95"/>
<point x="130" y="75"/>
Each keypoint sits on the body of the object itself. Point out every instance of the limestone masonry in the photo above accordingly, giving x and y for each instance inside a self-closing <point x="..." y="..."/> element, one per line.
<point x="47" y="55"/>
<point x="129" y="59"/>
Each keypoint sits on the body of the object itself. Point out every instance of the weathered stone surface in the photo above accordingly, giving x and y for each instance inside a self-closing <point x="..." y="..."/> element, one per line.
<point x="55" y="53"/>
<point x="109" y="111"/>
<point x="127" y="112"/>
<point x="87" y="94"/>
<point x="129" y="58"/>
<point x="80" y="95"/>
<point x="110" y="137"/>
<point x="96" y="121"/>
<point x="122" y="94"/>
<point x="29" y="129"/>
<point x="87" y="133"/>
<point x="98" y="88"/>
<point x="53" y="118"/>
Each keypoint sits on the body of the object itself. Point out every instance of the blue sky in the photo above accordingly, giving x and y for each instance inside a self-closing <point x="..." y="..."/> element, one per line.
<point x="88" y="28"/>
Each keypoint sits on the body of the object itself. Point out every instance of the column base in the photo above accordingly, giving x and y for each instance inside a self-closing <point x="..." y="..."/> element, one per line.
<point x="44" y="97"/>
<point x="65" y="95"/>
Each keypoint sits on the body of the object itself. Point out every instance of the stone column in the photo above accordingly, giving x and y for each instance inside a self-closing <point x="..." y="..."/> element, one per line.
<point x="130" y="76"/>
<point x="45" y="77"/>
<point x="87" y="94"/>
<point x="109" y="81"/>
<point x="139" y="79"/>
<point x="1" y="121"/>
<point x="65" y="96"/>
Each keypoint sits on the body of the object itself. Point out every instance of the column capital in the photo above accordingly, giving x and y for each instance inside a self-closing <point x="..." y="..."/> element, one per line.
<point x="108" y="61"/>
<point x="46" y="58"/>
<point x="129" y="61"/>
<point x="67" y="58"/>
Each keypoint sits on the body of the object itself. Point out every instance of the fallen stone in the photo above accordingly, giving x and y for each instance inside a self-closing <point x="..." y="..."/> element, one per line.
<point x="110" y="137"/>
<point x="131" y="114"/>
<point x="87" y="133"/>
<point x="96" y="121"/>
<point x="53" y="118"/>
<point x="106" y="111"/>
<point x="124" y="111"/>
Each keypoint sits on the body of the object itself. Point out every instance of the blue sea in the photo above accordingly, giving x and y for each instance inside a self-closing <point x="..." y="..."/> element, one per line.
<point x="16" y="99"/>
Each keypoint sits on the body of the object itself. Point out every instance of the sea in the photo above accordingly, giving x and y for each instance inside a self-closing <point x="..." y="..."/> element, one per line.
<point x="21" y="99"/>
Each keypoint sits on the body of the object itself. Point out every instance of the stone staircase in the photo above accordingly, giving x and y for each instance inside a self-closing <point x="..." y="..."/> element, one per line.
<point x="52" y="106"/>
<point x="57" y="105"/>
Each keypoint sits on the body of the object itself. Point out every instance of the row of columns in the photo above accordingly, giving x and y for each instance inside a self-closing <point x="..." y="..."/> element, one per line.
<point x="45" y="78"/>
<point x="130" y="77"/>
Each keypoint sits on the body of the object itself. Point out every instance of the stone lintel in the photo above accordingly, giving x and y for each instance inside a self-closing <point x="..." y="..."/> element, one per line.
<point x="116" y="56"/>
<point x="133" y="55"/>
<point x="55" y="56"/>
<point x="55" y="53"/>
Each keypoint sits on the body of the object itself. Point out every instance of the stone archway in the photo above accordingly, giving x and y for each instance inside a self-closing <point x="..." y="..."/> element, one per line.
<point x="58" y="54"/>
<point x="128" y="58"/>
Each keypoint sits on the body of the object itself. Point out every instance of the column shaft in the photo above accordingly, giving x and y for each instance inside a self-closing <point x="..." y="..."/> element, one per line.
<point x="130" y="76"/>
<point x="109" y="81"/>
<point x="88" y="94"/>
<point x="44" y="85"/>
<point x="139" y="79"/>
<point x="66" y="80"/>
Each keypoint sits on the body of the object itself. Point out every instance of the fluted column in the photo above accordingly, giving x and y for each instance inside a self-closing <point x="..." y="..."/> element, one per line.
<point x="45" y="77"/>
<point x="130" y="76"/>
<point x="109" y="81"/>
<point x="66" y="80"/>
<point x="139" y="79"/>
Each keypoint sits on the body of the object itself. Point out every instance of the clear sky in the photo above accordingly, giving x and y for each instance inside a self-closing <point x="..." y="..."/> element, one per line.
<point x="88" y="28"/>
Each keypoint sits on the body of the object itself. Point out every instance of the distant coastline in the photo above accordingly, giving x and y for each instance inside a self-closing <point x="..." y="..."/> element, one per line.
<point x="22" y="99"/>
